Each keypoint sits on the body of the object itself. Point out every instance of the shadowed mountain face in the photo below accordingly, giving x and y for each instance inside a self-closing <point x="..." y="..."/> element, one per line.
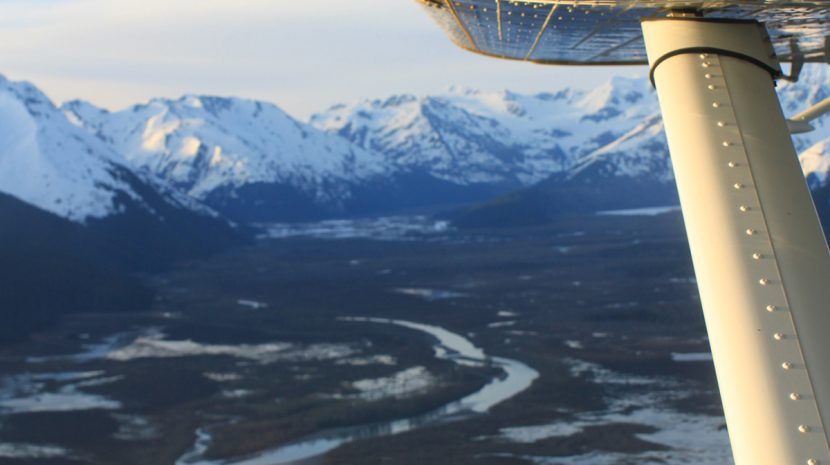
<point x="77" y="223"/>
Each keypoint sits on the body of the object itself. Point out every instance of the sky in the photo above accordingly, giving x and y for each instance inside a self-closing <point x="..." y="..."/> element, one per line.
<point x="304" y="55"/>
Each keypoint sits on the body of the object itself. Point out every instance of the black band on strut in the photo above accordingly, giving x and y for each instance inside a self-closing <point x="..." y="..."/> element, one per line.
<point x="774" y="73"/>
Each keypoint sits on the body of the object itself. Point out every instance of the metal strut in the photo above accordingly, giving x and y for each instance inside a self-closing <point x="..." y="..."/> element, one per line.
<point x="800" y="123"/>
<point x="761" y="258"/>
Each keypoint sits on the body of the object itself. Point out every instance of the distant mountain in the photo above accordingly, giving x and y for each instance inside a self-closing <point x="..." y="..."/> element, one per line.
<point x="251" y="162"/>
<point x="248" y="160"/>
<point x="51" y="164"/>
<point x="470" y="137"/>
<point x="633" y="169"/>
<point x="568" y="151"/>
<point x="76" y="222"/>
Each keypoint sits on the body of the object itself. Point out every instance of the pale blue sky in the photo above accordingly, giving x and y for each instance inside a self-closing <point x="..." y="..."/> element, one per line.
<point x="303" y="55"/>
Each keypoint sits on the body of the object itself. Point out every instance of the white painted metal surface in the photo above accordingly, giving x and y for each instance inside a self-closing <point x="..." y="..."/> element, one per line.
<point x="801" y="122"/>
<point x="762" y="263"/>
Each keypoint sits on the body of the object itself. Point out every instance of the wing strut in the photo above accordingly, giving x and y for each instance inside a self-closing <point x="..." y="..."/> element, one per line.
<point x="760" y="255"/>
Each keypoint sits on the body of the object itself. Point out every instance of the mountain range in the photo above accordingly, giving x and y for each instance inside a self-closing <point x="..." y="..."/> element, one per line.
<point x="114" y="193"/>
<point x="241" y="161"/>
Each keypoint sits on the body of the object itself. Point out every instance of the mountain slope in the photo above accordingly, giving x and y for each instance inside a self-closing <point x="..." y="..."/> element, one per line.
<point x="247" y="159"/>
<point x="77" y="224"/>
<point x="467" y="136"/>
<point x="51" y="164"/>
<point x="634" y="169"/>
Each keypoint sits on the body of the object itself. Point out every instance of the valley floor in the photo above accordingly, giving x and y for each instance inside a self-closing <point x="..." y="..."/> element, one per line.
<point x="249" y="351"/>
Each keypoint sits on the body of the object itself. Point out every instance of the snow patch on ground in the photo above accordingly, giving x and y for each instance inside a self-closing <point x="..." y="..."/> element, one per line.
<point x="31" y="451"/>
<point x="53" y="392"/>
<point x="650" y="211"/>
<point x="393" y="228"/>
<point x="402" y="384"/>
<point x="156" y="346"/>
<point x="573" y="344"/>
<point x="602" y="375"/>
<point x="222" y="377"/>
<point x="690" y="438"/>
<point x="430" y="295"/>
<point x="135" y="428"/>
<point x="370" y="360"/>
<point x="692" y="357"/>
<point x="252" y="304"/>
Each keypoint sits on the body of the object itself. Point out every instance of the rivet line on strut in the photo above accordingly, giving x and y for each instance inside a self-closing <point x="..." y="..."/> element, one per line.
<point x="757" y="256"/>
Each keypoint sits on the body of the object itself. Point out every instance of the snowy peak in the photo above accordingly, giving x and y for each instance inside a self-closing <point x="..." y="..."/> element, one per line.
<point x="50" y="163"/>
<point x="468" y="136"/>
<point x="203" y="143"/>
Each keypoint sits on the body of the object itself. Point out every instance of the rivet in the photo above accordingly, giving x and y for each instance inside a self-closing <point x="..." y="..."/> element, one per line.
<point x="771" y="308"/>
<point x="715" y="105"/>
<point x="812" y="462"/>
<point x="731" y="164"/>
<point x="702" y="56"/>
<point x="763" y="281"/>
<point x="787" y="365"/>
<point x="757" y="256"/>
<point x="710" y="87"/>
<point x="744" y="208"/>
<point x="721" y="124"/>
<point x="795" y="396"/>
<point x="705" y="64"/>
<point x="707" y="76"/>
<point x="726" y="143"/>
<point x="778" y="336"/>
<point x="803" y="428"/>
<point x="738" y="185"/>
<point x="750" y="232"/>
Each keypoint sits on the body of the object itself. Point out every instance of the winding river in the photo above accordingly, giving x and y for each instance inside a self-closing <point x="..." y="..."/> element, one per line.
<point x="451" y="346"/>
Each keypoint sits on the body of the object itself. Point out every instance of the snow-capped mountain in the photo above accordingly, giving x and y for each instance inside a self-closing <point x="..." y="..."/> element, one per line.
<point x="252" y="162"/>
<point x="582" y="150"/>
<point x="234" y="154"/>
<point x="467" y="136"/>
<point x="48" y="163"/>
<point x="56" y="166"/>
